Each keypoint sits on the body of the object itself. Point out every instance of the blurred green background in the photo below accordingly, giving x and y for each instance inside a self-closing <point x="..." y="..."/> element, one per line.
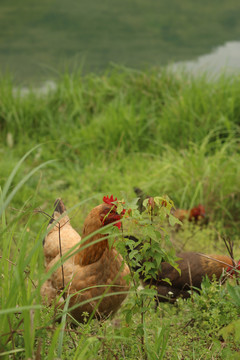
<point x="41" y="38"/>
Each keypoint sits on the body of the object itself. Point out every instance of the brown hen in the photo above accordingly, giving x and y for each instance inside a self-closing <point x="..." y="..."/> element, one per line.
<point x="94" y="271"/>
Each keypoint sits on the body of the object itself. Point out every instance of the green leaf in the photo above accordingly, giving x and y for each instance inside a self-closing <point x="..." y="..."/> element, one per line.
<point x="148" y="266"/>
<point x="132" y="254"/>
<point x="139" y="330"/>
<point x="167" y="281"/>
<point x="128" y="317"/>
<point x="173" y="220"/>
<point x="234" y="292"/>
<point x="232" y="329"/>
<point x="146" y="246"/>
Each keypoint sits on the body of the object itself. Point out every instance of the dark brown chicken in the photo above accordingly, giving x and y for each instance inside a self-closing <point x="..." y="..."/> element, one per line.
<point x="94" y="271"/>
<point x="193" y="268"/>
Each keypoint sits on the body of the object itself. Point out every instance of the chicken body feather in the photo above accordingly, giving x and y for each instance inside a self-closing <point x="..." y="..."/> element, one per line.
<point x="68" y="236"/>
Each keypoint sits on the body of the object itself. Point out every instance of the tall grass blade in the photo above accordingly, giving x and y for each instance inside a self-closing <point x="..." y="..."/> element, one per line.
<point x="14" y="171"/>
<point x="63" y="324"/>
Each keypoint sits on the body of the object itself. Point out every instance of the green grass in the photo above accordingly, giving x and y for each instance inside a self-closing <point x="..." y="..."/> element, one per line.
<point x="168" y="133"/>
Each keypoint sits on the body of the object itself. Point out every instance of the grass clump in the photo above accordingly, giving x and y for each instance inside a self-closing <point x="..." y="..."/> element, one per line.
<point x="140" y="111"/>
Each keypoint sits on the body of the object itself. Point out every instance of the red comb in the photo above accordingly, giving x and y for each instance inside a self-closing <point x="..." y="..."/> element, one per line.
<point x="108" y="200"/>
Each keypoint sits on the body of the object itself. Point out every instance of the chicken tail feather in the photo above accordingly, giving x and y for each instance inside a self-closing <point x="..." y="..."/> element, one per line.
<point x="58" y="207"/>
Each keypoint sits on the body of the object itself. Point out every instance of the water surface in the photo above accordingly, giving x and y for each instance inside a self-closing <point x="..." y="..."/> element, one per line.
<point x="39" y="39"/>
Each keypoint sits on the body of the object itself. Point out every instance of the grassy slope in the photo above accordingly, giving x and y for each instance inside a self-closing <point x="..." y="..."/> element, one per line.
<point x="164" y="132"/>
